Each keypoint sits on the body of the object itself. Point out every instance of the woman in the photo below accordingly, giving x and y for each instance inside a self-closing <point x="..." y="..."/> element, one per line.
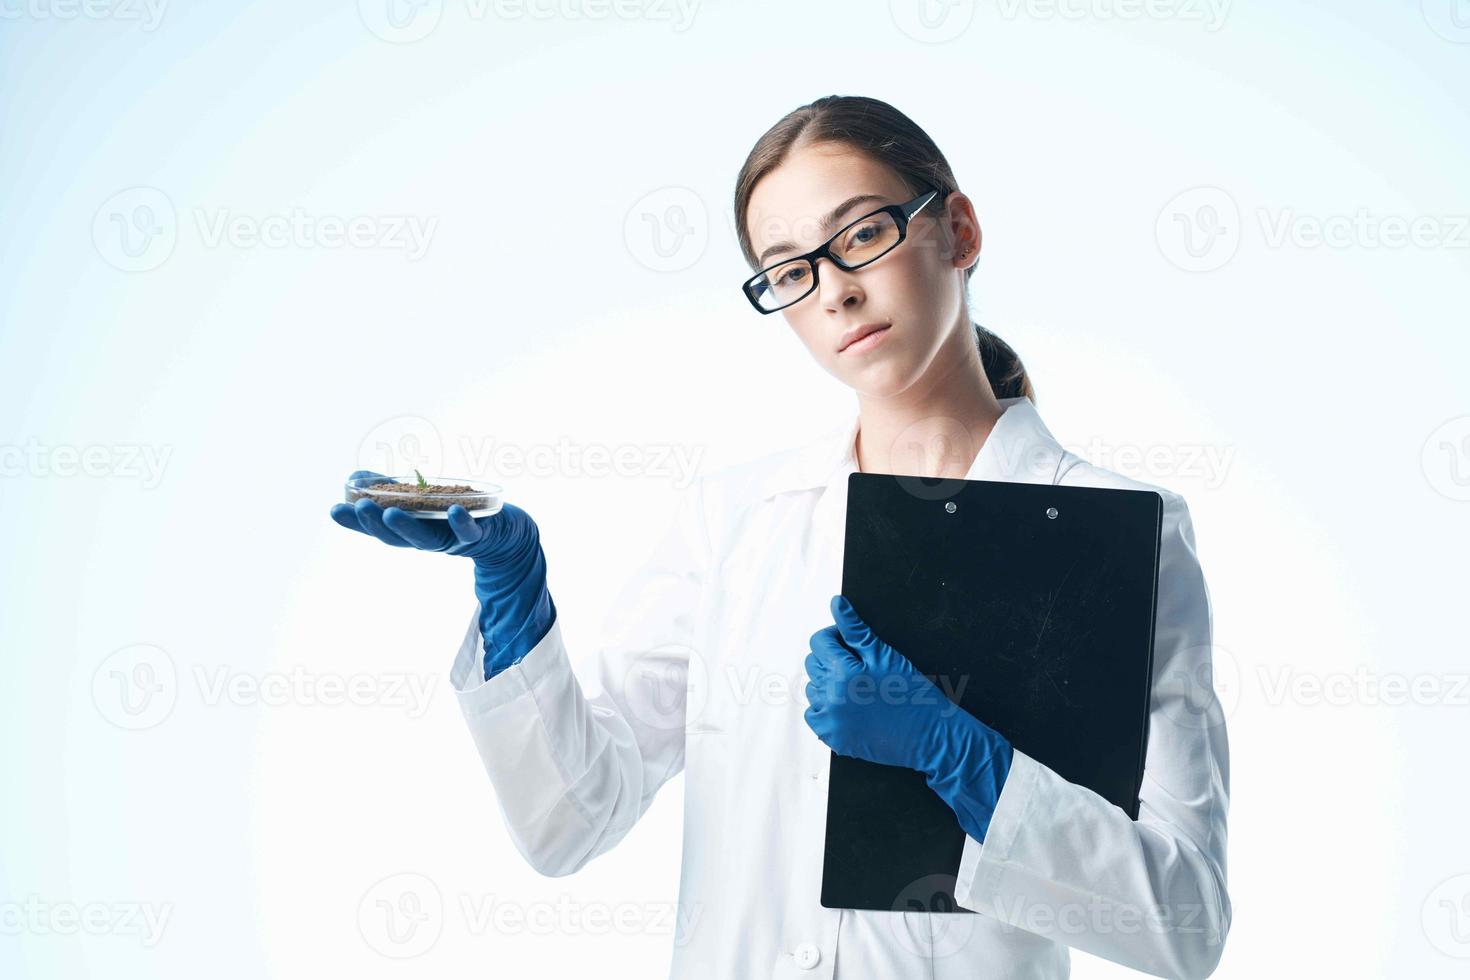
<point x="701" y="666"/>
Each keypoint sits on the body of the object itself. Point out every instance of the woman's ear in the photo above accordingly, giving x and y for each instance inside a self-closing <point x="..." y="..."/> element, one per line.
<point x="963" y="227"/>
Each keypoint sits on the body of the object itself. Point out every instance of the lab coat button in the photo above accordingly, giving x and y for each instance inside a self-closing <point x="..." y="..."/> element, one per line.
<point x="807" y="955"/>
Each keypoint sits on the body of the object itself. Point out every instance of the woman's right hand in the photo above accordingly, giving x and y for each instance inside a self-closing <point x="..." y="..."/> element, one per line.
<point x="516" y="610"/>
<point x="491" y="540"/>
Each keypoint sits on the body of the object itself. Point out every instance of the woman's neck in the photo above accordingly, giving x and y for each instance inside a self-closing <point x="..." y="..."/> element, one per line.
<point x="934" y="432"/>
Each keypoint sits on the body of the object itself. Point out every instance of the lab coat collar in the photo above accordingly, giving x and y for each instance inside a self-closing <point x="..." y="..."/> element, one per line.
<point x="1019" y="449"/>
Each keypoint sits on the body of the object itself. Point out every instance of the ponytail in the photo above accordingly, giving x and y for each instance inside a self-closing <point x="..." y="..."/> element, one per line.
<point x="1007" y="375"/>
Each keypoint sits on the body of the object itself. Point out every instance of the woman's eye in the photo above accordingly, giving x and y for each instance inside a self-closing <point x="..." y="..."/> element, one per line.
<point x="786" y="278"/>
<point x="868" y="230"/>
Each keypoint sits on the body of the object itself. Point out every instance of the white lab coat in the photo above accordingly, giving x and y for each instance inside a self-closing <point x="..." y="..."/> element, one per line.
<point x="700" y="668"/>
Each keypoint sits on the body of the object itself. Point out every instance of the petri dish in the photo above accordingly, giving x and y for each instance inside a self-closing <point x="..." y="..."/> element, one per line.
<point x="432" y="502"/>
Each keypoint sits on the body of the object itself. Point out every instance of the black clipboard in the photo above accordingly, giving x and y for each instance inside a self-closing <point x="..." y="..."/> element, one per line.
<point x="1036" y="604"/>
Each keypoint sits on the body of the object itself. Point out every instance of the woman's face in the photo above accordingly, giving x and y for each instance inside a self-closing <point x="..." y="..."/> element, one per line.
<point x="916" y="289"/>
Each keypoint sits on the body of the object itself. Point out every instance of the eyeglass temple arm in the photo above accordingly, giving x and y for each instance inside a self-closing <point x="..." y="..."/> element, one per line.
<point x="924" y="203"/>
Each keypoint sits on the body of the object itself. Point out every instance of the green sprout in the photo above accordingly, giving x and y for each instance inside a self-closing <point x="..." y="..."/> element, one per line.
<point x="422" y="481"/>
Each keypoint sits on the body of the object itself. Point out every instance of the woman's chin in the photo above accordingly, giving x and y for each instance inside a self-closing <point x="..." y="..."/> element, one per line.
<point x="880" y="377"/>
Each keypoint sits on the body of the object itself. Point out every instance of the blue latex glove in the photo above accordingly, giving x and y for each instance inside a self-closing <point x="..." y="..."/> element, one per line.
<point x="516" y="610"/>
<point x="868" y="700"/>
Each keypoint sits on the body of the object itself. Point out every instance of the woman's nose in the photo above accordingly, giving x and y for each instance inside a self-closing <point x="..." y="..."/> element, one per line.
<point x="836" y="286"/>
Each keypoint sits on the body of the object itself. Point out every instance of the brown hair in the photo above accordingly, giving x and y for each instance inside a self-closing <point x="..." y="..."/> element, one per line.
<point x="879" y="131"/>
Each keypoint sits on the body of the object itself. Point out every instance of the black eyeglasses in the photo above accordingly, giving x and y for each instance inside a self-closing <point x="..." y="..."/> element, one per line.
<point x="865" y="240"/>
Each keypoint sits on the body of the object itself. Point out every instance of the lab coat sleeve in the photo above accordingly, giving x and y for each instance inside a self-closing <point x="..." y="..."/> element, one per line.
<point x="1060" y="861"/>
<point x="574" y="766"/>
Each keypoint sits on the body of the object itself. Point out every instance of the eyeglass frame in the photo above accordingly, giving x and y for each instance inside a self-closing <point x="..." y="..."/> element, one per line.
<point x="902" y="215"/>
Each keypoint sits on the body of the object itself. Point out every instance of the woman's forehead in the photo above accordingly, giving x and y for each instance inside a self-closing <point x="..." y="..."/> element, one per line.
<point x="802" y="200"/>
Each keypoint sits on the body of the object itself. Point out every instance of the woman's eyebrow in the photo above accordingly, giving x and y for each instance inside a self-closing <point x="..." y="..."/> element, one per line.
<point x="829" y="221"/>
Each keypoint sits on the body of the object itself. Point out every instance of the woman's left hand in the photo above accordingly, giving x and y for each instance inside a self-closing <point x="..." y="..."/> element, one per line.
<point x="867" y="700"/>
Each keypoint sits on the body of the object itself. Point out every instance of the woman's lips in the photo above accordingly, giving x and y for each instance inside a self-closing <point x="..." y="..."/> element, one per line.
<point x="867" y="342"/>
